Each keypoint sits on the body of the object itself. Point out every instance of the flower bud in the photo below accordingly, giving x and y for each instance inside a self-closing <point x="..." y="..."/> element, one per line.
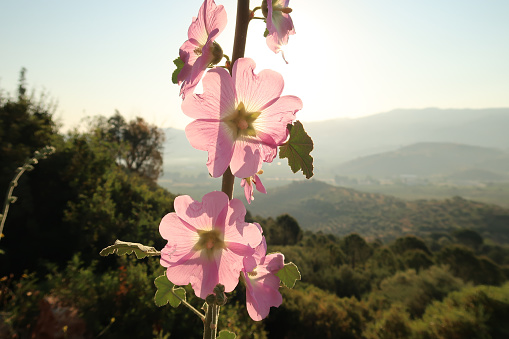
<point x="217" y="53"/>
<point x="265" y="10"/>
<point x="210" y="299"/>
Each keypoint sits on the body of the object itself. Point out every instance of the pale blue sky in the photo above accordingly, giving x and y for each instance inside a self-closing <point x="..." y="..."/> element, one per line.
<point x="349" y="57"/>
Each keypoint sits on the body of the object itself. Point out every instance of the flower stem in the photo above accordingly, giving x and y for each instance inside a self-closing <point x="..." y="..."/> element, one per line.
<point x="185" y="303"/>
<point x="239" y="48"/>
<point x="209" y="329"/>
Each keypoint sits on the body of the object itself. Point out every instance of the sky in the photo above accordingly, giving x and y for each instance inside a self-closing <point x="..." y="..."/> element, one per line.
<point x="348" y="58"/>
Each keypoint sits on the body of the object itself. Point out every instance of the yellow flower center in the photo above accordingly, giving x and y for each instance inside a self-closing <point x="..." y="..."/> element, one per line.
<point x="209" y="241"/>
<point x="241" y="122"/>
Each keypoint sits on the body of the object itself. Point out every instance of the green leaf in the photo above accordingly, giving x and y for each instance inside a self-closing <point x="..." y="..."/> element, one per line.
<point x="123" y="247"/>
<point x="289" y="274"/>
<point x="224" y="334"/>
<point x="297" y="150"/>
<point x="265" y="33"/>
<point x="180" y="64"/>
<point x="164" y="294"/>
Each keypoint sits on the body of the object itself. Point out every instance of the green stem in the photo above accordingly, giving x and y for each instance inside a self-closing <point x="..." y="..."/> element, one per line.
<point x="185" y="303"/>
<point x="239" y="48"/>
<point x="209" y="331"/>
<point x="27" y="166"/>
<point x="8" y="197"/>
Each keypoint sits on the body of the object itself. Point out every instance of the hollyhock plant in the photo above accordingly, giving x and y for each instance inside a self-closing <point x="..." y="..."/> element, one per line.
<point x="248" y="183"/>
<point x="262" y="284"/>
<point x="240" y="119"/>
<point x="200" y="50"/>
<point x="207" y="242"/>
<point x="279" y="23"/>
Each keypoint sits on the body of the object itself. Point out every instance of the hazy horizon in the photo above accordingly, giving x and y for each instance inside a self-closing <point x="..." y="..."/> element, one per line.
<point x="347" y="59"/>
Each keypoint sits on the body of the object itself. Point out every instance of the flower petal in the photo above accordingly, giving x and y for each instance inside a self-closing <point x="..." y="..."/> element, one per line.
<point x="274" y="119"/>
<point x="217" y="100"/>
<point x="248" y="189"/>
<point x="230" y="265"/>
<point x="259" y="186"/>
<point x="204" y="215"/>
<point x="204" y="281"/>
<point x="216" y="18"/>
<point x="256" y="91"/>
<point x="181" y="274"/>
<point x="211" y="136"/>
<point x="247" y="158"/>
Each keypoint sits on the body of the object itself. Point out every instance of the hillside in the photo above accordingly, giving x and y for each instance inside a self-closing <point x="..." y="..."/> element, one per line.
<point x="432" y="159"/>
<point x="318" y="206"/>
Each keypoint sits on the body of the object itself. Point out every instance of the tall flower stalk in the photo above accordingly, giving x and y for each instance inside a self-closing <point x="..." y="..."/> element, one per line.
<point x="27" y="166"/>
<point x="241" y="120"/>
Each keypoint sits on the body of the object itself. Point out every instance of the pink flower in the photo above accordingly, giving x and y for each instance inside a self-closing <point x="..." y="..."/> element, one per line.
<point x="262" y="284"/>
<point x="279" y="24"/>
<point x="207" y="242"/>
<point x="241" y="119"/>
<point x="248" y="182"/>
<point x="200" y="50"/>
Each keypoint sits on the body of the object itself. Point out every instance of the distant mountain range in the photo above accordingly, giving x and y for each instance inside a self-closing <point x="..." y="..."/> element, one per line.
<point x="339" y="144"/>
<point x="447" y="160"/>
<point x="318" y="206"/>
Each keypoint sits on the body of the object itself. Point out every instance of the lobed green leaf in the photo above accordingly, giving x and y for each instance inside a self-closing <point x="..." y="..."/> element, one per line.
<point x="180" y="64"/>
<point x="289" y="274"/>
<point x="224" y="334"/>
<point x="123" y="247"/>
<point x="297" y="150"/>
<point x="166" y="292"/>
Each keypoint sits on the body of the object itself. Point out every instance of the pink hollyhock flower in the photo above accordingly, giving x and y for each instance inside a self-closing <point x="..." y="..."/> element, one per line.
<point x="279" y="23"/>
<point x="241" y="119"/>
<point x="207" y="242"/>
<point x="262" y="284"/>
<point x="248" y="182"/>
<point x="200" y="50"/>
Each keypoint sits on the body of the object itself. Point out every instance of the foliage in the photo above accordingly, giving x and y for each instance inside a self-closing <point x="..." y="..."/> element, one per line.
<point x="167" y="293"/>
<point x="26" y="125"/>
<point x="289" y="274"/>
<point x="414" y="291"/>
<point x="137" y="145"/>
<point x="475" y="312"/>
<point x="315" y="313"/>
<point x="19" y="300"/>
<point x="123" y="247"/>
<point x="297" y="150"/>
<point x="465" y="265"/>
<point x="394" y="323"/>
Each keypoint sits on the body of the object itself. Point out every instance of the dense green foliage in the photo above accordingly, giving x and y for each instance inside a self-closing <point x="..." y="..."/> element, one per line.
<point x="446" y="282"/>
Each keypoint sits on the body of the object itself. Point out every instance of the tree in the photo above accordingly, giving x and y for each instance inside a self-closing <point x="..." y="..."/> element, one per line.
<point x="356" y="249"/>
<point x="408" y="243"/>
<point x="469" y="238"/>
<point x="145" y="146"/>
<point x="136" y="144"/>
<point x="26" y="125"/>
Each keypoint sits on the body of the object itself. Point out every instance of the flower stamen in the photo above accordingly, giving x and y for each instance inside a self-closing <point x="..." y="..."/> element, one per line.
<point x="241" y="122"/>
<point x="209" y="241"/>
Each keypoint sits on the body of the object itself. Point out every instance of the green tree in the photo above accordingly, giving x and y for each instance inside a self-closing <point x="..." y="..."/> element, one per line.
<point x="26" y="125"/>
<point x="137" y="145"/>
<point x="356" y="249"/>
<point x="409" y="242"/>
<point x="469" y="238"/>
